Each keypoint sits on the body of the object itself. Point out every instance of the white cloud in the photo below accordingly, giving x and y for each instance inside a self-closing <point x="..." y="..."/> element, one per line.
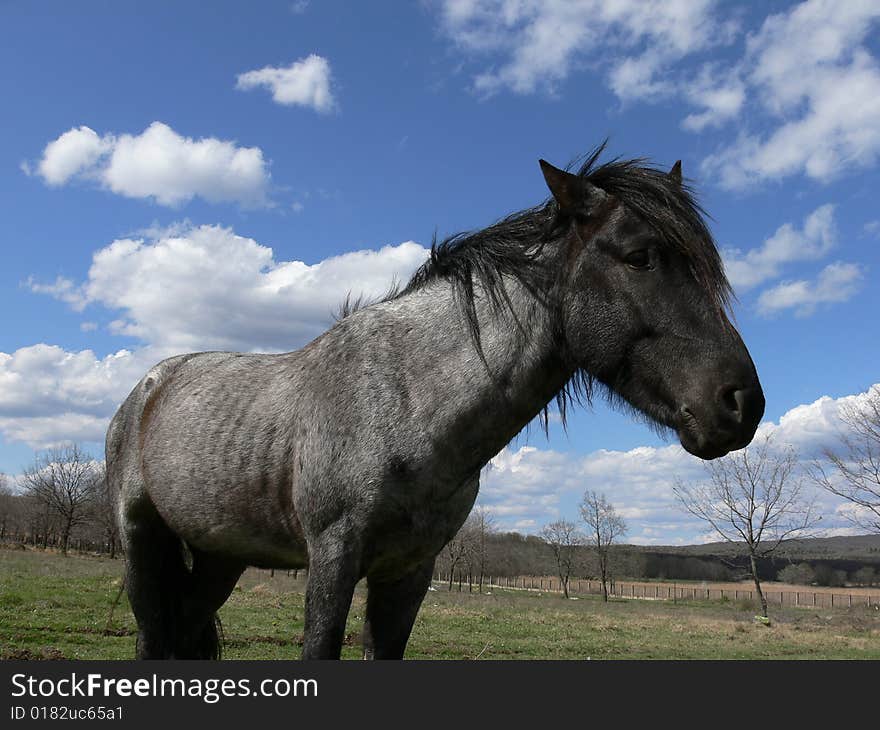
<point x="306" y="82"/>
<point x="541" y="41"/>
<point x="160" y="164"/>
<point x="811" y="426"/>
<point x="50" y="396"/>
<point x="75" y="151"/>
<point x="810" y="72"/>
<point x="807" y="81"/>
<point x="837" y="282"/>
<point x="872" y="228"/>
<point x="181" y="289"/>
<point x="720" y="96"/>
<point x="530" y="483"/>
<point x="814" y="240"/>
<point x="63" y="289"/>
<point x="192" y="288"/>
<point x="536" y="485"/>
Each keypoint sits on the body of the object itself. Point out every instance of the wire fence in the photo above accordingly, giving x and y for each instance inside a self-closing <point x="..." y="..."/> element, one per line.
<point x="808" y="596"/>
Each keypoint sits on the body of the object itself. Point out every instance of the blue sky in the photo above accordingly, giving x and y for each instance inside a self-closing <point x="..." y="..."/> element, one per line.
<point x="179" y="177"/>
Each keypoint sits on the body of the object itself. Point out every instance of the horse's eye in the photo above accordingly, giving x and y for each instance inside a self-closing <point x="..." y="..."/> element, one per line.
<point x="638" y="259"/>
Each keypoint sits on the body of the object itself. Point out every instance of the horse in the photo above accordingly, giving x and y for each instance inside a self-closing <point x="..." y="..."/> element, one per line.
<point x="359" y="455"/>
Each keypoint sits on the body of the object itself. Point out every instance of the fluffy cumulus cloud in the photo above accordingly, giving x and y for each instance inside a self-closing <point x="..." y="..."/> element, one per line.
<point x="74" y="152"/>
<point x="526" y="487"/>
<point x="522" y="486"/>
<point x="189" y="288"/>
<point x="50" y="396"/>
<point x="158" y="164"/>
<point x="306" y="82"/>
<point x="540" y="42"/>
<point x="814" y="84"/>
<point x="837" y="282"/>
<point x="179" y="290"/>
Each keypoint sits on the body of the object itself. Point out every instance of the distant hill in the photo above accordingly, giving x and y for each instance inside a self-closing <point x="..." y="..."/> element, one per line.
<point x="850" y="547"/>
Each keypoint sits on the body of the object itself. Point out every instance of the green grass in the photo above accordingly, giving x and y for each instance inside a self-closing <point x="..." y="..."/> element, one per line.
<point x="52" y="606"/>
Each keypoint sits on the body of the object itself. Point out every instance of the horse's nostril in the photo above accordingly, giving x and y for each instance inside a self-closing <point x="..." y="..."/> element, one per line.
<point x="733" y="400"/>
<point x="740" y="397"/>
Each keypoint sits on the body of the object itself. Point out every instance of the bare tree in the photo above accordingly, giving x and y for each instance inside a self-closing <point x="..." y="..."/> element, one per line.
<point x="483" y="526"/>
<point x="103" y="510"/>
<point x="854" y="466"/>
<point x="458" y="550"/>
<point x="63" y="480"/>
<point x="753" y="496"/>
<point x="564" y="540"/>
<point x="604" y="527"/>
<point x="6" y="506"/>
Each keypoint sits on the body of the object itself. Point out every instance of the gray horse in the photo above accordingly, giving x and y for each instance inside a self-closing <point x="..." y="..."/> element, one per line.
<point x="360" y="454"/>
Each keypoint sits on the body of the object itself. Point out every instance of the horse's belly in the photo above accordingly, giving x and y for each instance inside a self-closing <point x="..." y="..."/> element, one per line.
<point x="250" y="519"/>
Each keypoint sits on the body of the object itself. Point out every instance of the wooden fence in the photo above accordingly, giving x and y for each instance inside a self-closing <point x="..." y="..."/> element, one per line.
<point x="670" y="591"/>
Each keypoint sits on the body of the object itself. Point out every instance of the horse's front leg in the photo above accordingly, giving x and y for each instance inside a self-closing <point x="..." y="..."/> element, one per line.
<point x="392" y="606"/>
<point x="334" y="570"/>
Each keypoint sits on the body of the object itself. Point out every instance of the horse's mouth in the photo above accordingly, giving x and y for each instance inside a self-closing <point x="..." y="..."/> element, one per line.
<point x="695" y="440"/>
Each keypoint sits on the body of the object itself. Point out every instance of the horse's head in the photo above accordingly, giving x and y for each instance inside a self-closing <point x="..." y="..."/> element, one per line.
<point x="643" y="304"/>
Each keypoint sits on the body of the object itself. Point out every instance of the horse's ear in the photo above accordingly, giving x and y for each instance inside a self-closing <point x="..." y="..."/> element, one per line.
<point x="675" y="173"/>
<point x="568" y="190"/>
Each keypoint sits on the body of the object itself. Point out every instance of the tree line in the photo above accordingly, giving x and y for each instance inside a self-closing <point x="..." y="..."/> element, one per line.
<point x="62" y="501"/>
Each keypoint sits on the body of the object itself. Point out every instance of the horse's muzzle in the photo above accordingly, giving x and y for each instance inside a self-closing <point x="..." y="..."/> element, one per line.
<point x="729" y="424"/>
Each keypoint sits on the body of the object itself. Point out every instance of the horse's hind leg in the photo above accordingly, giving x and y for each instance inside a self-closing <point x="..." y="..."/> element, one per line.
<point x="211" y="581"/>
<point x="154" y="579"/>
<point x="174" y="607"/>
<point x="392" y="606"/>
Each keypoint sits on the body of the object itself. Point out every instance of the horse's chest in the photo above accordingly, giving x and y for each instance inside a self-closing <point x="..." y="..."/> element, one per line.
<point x="412" y="523"/>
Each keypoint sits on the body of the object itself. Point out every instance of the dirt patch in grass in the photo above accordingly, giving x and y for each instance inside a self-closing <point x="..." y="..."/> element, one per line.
<point x="46" y="653"/>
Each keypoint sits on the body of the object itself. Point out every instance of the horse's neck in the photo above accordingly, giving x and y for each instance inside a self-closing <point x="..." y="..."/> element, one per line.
<point x="480" y="402"/>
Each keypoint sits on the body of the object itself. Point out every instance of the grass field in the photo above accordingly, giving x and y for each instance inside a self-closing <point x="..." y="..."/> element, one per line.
<point x="57" y="607"/>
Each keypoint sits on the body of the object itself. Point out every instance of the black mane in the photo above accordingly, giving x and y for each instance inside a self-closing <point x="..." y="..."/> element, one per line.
<point x="511" y="246"/>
